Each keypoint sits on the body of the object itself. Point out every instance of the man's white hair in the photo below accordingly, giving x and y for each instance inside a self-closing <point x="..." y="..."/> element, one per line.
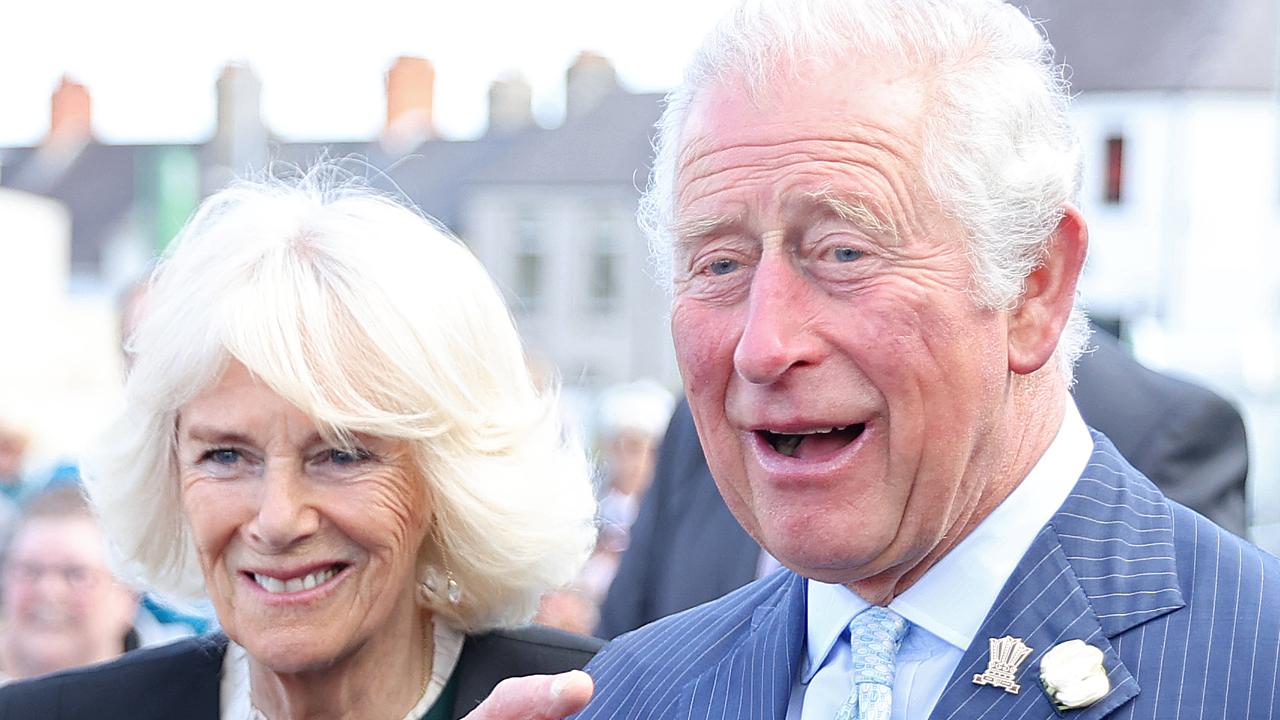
<point x="370" y="319"/>
<point x="1000" y="156"/>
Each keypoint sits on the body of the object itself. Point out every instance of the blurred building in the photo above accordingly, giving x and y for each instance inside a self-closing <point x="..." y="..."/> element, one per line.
<point x="549" y="211"/>
<point x="1178" y="114"/>
<point x="1176" y="106"/>
<point x="59" y="367"/>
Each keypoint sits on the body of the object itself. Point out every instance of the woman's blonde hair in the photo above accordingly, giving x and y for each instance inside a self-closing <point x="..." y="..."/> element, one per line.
<point x="371" y="319"/>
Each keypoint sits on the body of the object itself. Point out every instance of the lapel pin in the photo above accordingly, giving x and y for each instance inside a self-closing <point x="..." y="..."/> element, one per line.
<point x="1073" y="676"/>
<point x="1007" y="653"/>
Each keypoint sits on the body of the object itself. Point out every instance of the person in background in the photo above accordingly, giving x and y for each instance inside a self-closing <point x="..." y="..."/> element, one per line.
<point x="330" y="431"/>
<point x="13" y="450"/>
<point x="1185" y="438"/>
<point x="631" y="420"/>
<point x="62" y="606"/>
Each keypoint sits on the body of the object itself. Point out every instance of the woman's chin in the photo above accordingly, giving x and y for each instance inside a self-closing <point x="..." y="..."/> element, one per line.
<point x="290" y="659"/>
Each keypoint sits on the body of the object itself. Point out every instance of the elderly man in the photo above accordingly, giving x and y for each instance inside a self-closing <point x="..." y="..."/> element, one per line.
<point x="867" y="209"/>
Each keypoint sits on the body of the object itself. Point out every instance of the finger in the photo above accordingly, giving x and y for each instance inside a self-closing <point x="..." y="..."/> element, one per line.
<point x="536" y="697"/>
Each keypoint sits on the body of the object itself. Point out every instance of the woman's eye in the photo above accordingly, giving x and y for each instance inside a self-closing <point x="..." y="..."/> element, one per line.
<point x="222" y="456"/>
<point x="338" y="456"/>
<point x="722" y="267"/>
<point x="847" y="254"/>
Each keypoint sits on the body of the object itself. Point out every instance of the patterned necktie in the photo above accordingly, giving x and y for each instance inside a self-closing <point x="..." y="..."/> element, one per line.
<point x="874" y="635"/>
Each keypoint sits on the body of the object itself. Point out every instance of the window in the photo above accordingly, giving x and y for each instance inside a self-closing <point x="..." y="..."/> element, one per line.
<point x="602" y="275"/>
<point x="1113" y="192"/>
<point x="529" y="262"/>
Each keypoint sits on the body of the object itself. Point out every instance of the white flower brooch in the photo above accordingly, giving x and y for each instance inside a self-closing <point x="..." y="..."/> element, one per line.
<point x="1073" y="676"/>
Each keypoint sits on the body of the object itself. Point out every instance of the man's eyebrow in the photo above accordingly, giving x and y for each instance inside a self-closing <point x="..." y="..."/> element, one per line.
<point x="854" y="209"/>
<point x="700" y="226"/>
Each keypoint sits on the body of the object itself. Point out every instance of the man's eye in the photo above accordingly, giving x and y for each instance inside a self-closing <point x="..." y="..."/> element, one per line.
<point x="722" y="267"/>
<point x="847" y="254"/>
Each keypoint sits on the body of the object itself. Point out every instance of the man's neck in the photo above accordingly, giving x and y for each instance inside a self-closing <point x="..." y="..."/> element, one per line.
<point x="1034" y="415"/>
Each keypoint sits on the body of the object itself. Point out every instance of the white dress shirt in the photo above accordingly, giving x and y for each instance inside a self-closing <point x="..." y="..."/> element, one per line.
<point x="946" y="606"/>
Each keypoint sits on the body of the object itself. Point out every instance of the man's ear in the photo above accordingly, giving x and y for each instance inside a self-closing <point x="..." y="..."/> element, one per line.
<point x="1037" y="322"/>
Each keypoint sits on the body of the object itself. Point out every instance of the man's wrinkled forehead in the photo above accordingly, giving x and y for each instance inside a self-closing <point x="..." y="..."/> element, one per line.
<point x="879" y="115"/>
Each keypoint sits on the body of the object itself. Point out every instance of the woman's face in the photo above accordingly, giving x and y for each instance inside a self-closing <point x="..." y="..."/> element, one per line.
<point x="308" y="550"/>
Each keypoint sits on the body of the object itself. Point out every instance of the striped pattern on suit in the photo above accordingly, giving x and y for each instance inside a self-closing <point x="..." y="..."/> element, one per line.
<point x="1186" y="614"/>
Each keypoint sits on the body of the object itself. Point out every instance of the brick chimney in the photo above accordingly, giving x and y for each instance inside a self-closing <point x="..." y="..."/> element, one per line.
<point x="410" y="85"/>
<point x="587" y="82"/>
<point x="510" y="105"/>
<point x="71" y="112"/>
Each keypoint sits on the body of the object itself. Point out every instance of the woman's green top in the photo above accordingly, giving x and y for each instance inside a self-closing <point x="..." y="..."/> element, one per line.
<point x="442" y="708"/>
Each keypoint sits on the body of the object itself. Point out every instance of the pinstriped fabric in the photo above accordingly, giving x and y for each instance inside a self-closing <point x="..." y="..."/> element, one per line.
<point x="1186" y="614"/>
<point x="731" y="658"/>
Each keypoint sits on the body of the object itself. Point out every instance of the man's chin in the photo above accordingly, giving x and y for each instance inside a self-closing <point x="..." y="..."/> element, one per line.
<point x="835" y="570"/>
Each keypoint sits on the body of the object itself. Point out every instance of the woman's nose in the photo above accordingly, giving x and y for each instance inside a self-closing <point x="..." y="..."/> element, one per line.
<point x="285" y="515"/>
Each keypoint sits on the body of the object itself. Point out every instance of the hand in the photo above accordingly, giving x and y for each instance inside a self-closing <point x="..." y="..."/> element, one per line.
<point x="536" y="697"/>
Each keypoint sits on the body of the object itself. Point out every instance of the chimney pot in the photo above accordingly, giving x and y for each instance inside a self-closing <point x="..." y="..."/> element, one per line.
<point x="71" y="112"/>
<point x="587" y="82"/>
<point x="410" y="87"/>
<point x="510" y="105"/>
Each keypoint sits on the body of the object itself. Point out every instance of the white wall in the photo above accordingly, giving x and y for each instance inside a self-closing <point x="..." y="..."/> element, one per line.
<point x="588" y="348"/>
<point x="59" y="367"/>
<point x="1191" y="255"/>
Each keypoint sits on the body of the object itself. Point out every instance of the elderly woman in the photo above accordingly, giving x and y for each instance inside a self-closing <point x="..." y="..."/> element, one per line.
<point x="332" y="433"/>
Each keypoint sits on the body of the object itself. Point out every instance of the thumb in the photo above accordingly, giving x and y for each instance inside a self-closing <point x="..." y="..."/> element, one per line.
<point x="536" y="697"/>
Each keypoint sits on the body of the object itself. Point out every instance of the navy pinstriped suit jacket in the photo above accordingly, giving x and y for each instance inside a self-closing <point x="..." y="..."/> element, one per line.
<point x="1187" y="615"/>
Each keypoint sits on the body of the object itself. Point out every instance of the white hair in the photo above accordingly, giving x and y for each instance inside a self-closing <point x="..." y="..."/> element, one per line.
<point x="1000" y="155"/>
<point x="370" y="319"/>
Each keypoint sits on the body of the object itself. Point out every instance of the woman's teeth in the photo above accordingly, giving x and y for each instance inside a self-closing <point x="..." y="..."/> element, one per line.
<point x="306" y="582"/>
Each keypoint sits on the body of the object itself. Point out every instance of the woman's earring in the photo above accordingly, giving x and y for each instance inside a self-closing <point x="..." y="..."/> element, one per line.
<point x="437" y="585"/>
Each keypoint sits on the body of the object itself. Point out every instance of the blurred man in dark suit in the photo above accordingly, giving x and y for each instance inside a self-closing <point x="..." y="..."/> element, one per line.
<point x="687" y="548"/>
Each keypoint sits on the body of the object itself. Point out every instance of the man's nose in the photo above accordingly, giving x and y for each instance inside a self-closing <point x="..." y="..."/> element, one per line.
<point x="285" y="514"/>
<point x="776" y="334"/>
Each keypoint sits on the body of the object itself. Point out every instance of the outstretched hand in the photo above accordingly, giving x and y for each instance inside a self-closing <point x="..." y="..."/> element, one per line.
<point x="536" y="697"/>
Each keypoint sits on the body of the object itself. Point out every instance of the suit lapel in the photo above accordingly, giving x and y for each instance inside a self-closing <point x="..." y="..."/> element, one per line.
<point x="1102" y="565"/>
<point x="754" y="679"/>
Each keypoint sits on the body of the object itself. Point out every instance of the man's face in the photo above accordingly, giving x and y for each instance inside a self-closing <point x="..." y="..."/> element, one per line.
<point x="847" y="390"/>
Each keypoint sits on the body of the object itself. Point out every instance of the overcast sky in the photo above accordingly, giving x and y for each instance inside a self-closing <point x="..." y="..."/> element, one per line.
<point x="151" y="65"/>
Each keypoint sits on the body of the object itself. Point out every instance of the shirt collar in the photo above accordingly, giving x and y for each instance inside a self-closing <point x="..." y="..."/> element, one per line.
<point x="952" y="598"/>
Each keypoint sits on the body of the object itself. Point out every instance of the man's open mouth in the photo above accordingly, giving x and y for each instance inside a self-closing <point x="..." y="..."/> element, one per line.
<point x="819" y="442"/>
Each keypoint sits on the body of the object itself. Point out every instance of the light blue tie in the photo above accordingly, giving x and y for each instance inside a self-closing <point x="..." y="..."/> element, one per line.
<point x="874" y="637"/>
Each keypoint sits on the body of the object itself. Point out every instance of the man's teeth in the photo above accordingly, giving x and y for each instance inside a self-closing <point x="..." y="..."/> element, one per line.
<point x="787" y="443"/>
<point x="306" y="582"/>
